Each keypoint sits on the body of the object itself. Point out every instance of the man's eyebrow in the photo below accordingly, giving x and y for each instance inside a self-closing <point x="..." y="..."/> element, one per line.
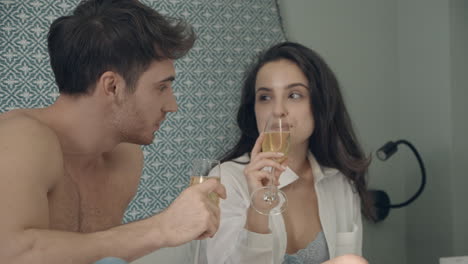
<point x="168" y="79"/>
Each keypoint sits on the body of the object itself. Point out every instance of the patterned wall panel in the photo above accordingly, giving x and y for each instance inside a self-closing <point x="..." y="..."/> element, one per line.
<point x="230" y="33"/>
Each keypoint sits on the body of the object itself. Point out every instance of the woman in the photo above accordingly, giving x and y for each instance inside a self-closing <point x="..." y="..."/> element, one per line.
<point x="323" y="176"/>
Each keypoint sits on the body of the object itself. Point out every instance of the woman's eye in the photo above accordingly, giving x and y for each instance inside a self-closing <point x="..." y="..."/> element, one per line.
<point x="295" y="96"/>
<point x="264" y="98"/>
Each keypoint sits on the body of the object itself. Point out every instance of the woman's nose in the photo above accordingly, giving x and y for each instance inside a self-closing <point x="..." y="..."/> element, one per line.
<point x="280" y="109"/>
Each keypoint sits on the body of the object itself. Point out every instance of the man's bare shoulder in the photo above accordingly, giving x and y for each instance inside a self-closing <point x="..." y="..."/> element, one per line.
<point x="20" y="124"/>
<point x="31" y="165"/>
<point x="26" y="140"/>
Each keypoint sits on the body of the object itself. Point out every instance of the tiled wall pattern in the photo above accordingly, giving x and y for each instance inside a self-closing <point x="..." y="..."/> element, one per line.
<point x="230" y="33"/>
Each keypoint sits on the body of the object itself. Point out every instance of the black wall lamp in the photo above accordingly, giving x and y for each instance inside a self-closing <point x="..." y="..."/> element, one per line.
<point x="381" y="201"/>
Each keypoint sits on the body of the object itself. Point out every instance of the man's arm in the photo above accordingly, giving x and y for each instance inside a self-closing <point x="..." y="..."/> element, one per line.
<point x="31" y="163"/>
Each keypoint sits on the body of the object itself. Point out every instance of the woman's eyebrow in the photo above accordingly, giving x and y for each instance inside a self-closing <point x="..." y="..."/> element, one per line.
<point x="263" y="89"/>
<point x="292" y="85"/>
<point x="289" y="86"/>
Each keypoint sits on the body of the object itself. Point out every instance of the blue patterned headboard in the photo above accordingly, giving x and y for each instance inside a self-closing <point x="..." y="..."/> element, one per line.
<point x="230" y="33"/>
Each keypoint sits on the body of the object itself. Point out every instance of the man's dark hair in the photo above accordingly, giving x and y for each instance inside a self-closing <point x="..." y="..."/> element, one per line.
<point x="124" y="36"/>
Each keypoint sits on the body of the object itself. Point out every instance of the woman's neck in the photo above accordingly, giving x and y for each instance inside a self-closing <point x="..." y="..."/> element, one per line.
<point x="298" y="162"/>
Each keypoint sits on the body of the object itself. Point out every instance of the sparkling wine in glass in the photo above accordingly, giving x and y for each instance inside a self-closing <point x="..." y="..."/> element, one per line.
<point x="203" y="170"/>
<point x="268" y="200"/>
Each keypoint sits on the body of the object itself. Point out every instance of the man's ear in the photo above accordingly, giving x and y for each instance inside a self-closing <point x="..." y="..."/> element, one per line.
<point x="110" y="84"/>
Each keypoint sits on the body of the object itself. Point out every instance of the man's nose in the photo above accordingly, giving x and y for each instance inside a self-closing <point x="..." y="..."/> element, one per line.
<point x="171" y="104"/>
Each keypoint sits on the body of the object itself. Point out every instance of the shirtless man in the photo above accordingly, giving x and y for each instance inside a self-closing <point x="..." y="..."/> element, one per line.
<point x="68" y="171"/>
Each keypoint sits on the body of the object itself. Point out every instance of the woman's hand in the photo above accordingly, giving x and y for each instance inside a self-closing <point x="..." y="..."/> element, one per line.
<point x="258" y="177"/>
<point x="255" y="173"/>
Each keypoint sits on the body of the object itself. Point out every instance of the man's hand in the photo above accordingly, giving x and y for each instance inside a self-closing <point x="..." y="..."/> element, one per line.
<point x="347" y="259"/>
<point x="192" y="215"/>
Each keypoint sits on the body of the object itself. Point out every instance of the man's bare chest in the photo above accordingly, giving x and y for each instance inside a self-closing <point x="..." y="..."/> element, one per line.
<point x="85" y="206"/>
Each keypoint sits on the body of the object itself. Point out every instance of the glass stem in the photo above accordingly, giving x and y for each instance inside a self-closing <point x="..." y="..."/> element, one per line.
<point x="270" y="195"/>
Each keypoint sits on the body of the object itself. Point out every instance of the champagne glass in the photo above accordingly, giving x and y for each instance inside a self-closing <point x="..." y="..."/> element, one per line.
<point x="268" y="200"/>
<point x="203" y="170"/>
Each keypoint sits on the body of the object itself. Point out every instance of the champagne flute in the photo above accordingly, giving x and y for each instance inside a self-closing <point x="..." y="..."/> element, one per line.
<point x="203" y="170"/>
<point x="268" y="200"/>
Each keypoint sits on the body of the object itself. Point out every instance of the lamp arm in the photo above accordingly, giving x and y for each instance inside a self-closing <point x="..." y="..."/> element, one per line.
<point x="423" y="175"/>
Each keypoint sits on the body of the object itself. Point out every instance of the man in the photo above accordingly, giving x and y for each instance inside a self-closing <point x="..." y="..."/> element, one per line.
<point x="68" y="171"/>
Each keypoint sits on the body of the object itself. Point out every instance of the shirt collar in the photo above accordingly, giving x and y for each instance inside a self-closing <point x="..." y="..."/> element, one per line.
<point x="319" y="172"/>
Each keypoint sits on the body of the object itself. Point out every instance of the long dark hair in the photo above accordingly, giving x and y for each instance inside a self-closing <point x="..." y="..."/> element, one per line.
<point x="333" y="142"/>
<point x="118" y="35"/>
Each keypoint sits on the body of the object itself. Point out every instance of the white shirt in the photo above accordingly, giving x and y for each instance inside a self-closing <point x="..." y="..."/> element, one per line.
<point x="339" y="212"/>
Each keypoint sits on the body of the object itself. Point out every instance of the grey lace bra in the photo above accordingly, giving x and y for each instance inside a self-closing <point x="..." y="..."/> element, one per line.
<point x="315" y="253"/>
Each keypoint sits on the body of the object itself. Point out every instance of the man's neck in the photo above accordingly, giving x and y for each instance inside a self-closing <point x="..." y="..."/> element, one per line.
<point x="84" y="130"/>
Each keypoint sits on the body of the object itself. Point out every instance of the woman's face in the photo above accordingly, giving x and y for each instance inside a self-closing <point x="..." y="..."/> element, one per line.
<point x="282" y="89"/>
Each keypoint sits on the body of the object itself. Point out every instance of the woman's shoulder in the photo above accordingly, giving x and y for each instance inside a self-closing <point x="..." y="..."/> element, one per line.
<point x="232" y="171"/>
<point x="332" y="178"/>
<point x="336" y="180"/>
<point x="236" y="164"/>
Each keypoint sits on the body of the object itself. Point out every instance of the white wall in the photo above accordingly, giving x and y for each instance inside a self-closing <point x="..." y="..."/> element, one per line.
<point x="359" y="41"/>
<point x="403" y="69"/>
<point x="459" y="66"/>
<point x="425" y="87"/>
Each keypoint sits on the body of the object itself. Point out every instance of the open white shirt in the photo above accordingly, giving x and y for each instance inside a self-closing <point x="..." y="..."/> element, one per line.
<point x="339" y="211"/>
